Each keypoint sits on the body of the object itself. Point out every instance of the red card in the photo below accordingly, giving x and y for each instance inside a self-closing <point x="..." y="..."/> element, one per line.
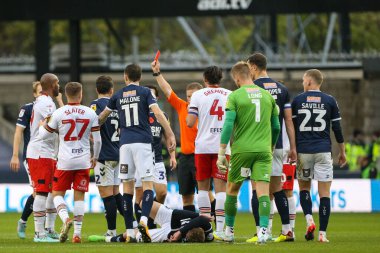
<point x="157" y="55"/>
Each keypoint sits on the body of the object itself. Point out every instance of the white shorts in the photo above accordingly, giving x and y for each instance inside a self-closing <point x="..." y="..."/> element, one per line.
<point x="315" y="166"/>
<point x="27" y="172"/>
<point x="136" y="157"/>
<point x="159" y="175"/>
<point x="277" y="162"/>
<point x="107" y="173"/>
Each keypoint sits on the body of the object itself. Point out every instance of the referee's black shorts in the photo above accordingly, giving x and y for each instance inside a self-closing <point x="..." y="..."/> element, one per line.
<point x="186" y="174"/>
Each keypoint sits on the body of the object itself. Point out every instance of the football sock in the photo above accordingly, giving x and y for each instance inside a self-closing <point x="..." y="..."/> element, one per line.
<point x="28" y="208"/>
<point x="147" y="203"/>
<point x="292" y="212"/>
<point x="78" y="217"/>
<point x="60" y="205"/>
<point x="110" y="211"/>
<point x="230" y="207"/>
<point x="283" y="209"/>
<point x="128" y="210"/>
<point x="324" y="213"/>
<point x="119" y="203"/>
<point x="255" y="208"/>
<point x="271" y="214"/>
<point x="220" y="198"/>
<point x="39" y="213"/>
<point x="213" y="204"/>
<point x="118" y="238"/>
<point x="204" y="202"/>
<point x="264" y="210"/>
<point x="189" y="208"/>
<point x="51" y="213"/>
<point x="137" y="212"/>
<point x="306" y="204"/>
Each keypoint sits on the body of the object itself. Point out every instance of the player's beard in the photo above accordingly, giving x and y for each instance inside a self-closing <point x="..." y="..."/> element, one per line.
<point x="56" y="91"/>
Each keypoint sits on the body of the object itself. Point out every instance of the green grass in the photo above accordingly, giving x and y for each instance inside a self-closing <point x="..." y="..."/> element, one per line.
<point x="347" y="233"/>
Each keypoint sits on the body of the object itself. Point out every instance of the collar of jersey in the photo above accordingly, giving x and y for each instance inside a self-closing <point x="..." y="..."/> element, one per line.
<point x="213" y="86"/>
<point x="261" y="77"/>
<point x="133" y="84"/>
<point x="73" y="103"/>
<point x="315" y="90"/>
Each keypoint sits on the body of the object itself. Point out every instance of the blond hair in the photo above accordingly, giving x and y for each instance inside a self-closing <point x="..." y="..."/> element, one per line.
<point x="241" y="69"/>
<point x="316" y="75"/>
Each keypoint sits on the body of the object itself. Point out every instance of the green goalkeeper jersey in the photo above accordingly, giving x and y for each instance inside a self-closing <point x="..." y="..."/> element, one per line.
<point x="254" y="108"/>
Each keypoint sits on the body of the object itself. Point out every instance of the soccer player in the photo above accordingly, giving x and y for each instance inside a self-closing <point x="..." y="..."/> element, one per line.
<point x="313" y="114"/>
<point x="74" y="124"/>
<point x="176" y="226"/>
<point x="41" y="162"/>
<point x="159" y="174"/>
<point x="186" y="166"/>
<point x="258" y="68"/>
<point x="23" y="130"/>
<point x="107" y="167"/>
<point x="133" y="103"/>
<point x="207" y="106"/>
<point x="252" y="117"/>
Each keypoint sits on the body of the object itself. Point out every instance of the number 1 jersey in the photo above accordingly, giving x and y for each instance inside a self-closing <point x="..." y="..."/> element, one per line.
<point x="313" y="112"/>
<point x="209" y="105"/>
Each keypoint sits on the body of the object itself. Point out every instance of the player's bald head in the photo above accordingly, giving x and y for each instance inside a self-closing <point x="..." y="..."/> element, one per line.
<point x="48" y="80"/>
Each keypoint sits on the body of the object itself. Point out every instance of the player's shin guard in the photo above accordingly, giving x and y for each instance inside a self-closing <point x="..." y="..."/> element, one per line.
<point x="213" y="204"/>
<point x="220" y="198"/>
<point x="138" y="212"/>
<point x="60" y="205"/>
<point x="128" y="211"/>
<point x="264" y="210"/>
<point x="292" y="212"/>
<point x="39" y="211"/>
<point x="204" y="202"/>
<point x="324" y="213"/>
<point x="283" y="209"/>
<point x="51" y="213"/>
<point x="306" y="204"/>
<point x="119" y="203"/>
<point x="147" y="203"/>
<point x="78" y="217"/>
<point x="28" y="208"/>
<point x="110" y="211"/>
<point x="255" y="208"/>
<point x="230" y="206"/>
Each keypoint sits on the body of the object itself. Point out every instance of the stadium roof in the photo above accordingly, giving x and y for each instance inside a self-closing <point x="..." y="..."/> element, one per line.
<point x="94" y="9"/>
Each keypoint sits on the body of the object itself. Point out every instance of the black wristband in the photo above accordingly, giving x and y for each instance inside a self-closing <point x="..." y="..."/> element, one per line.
<point x="157" y="74"/>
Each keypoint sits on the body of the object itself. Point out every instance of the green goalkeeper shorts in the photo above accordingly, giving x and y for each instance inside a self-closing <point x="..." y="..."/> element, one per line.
<point x="256" y="165"/>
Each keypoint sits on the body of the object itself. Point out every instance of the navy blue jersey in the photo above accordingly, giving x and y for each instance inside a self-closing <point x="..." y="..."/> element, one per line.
<point x="281" y="95"/>
<point x="313" y="112"/>
<point x="157" y="132"/>
<point x="132" y="104"/>
<point x="24" y="121"/>
<point x="109" y="131"/>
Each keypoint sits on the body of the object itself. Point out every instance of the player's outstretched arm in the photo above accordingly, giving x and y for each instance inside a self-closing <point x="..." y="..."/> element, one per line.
<point x="169" y="135"/>
<point x="292" y="156"/>
<point x="164" y="85"/>
<point x="15" y="161"/>
<point x="97" y="146"/>
<point x="103" y="116"/>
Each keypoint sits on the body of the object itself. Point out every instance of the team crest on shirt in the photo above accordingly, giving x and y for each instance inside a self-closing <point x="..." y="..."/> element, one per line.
<point x="130" y="93"/>
<point x="93" y="107"/>
<point x="124" y="168"/>
<point x="312" y="99"/>
<point x="270" y="85"/>
<point x="151" y="120"/>
<point x="253" y="90"/>
<point x="22" y="112"/>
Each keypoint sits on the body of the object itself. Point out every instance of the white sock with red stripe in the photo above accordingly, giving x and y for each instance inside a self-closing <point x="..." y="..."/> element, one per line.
<point x="51" y="213"/>
<point x="292" y="212"/>
<point x="39" y="213"/>
<point x="204" y="203"/>
<point x="78" y="217"/>
<point x="219" y="211"/>
<point x="60" y="205"/>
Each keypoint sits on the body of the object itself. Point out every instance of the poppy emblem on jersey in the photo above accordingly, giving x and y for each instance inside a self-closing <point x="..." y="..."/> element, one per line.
<point x="270" y="85"/>
<point x="93" y="107"/>
<point x="83" y="182"/>
<point x="130" y="93"/>
<point x="313" y="99"/>
<point x="22" y="111"/>
<point x="124" y="168"/>
<point x="151" y="120"/>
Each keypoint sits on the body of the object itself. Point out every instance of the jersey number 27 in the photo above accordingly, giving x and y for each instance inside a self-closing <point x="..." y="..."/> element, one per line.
<point x="68" y="135"/>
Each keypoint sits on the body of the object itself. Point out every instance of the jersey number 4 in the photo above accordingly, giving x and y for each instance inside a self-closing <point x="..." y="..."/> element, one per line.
<point x="73" y="123"/>
<point x="217" y="110"/>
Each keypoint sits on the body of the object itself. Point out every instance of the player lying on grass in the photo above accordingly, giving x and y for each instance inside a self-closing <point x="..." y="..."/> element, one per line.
<point x="176" y="226"/>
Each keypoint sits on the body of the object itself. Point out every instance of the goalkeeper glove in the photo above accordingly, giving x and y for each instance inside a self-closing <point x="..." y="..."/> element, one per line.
<point x="222" y="162"/>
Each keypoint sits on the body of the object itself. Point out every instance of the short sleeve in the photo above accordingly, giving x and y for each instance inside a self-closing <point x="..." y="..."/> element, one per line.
<point x="294" y="112"/>
<point x="149" y="98"/>
<point x="95" y="107"/>
<point x="287" y="104"/>
<point x="112" y="103"/>
<point x="45" y="110"/>
<point x="52" y="125"/>
<point x="194" y="104"/>
<point x="95" y="124"/>
<point x="275" y="110"/>
<point x="175" y="101"/>
<point x="231" y="104"/>
<point x="23" y="117"/>
<point x="335" y="113"/>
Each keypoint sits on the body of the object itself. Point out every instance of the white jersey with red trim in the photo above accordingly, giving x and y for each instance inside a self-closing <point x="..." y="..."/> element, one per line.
<point x="74" y="124"/>
<point x="38" y="147"/>
<point x="209" y="105"/>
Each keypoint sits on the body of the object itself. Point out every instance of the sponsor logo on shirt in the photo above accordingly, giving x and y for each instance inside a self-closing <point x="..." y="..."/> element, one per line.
<point x="22" y="112"/>
<point x="270" y="85"/>
<point x="253" y="90"/>
<point x="130" y="93"/>
<point x="93" y="107"/>
<point x="313" y="99"/>
<point x="215" y="5"/>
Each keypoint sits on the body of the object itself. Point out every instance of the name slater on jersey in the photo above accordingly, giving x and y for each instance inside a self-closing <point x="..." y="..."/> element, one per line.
<point x="129" y="100"/>
<point x="312" y="106"/>
<point x="156" y="131"/>
<point x="74" y="110"/>
<point x="212" y="91"/>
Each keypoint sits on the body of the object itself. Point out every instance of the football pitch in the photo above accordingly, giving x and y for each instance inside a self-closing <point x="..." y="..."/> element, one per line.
<point x="347" y="233"/>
